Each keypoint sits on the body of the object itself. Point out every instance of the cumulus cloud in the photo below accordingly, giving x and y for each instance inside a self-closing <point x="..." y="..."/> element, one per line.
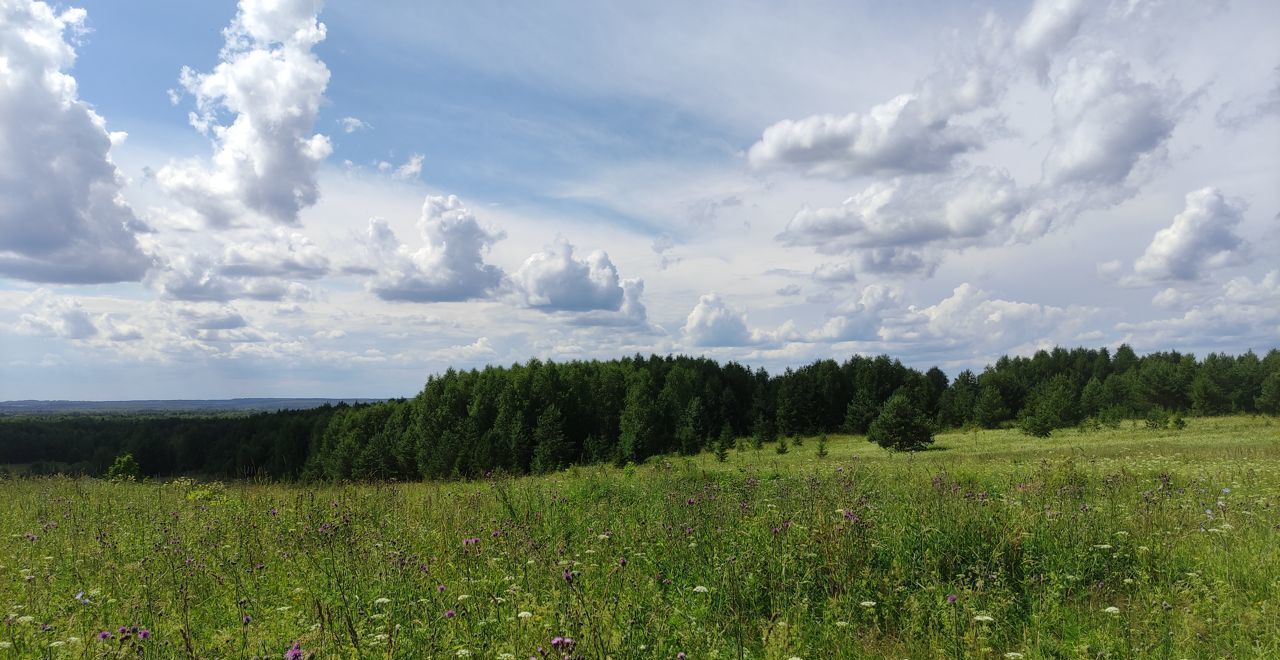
<point x="267" y="265"/>
<point x="973" y="320"/>
<point x="449" y="267"/>
<point x="1202" y="237"/>
<point x="914" y="132"/>
<point x="1246" y="313"/>
<point x="553" y="279"/>
<point x="860" y="318"/>
<point x="62" y="215"/>
<point x="889" y="221"/>
<point x="271" y="84"/>
<point x="46" y="314"/>
<point x="713" y="323"/>
<point x="1106" y="122"/>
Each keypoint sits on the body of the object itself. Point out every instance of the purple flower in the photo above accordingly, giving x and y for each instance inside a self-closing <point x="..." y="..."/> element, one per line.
<point x="294" y="652"/>
<point x="680" y="656"/>
<point x="246" y="619"/>
<point x="622" y="562"/>
<point x="440" y="588"/>
<point x="104" y="635"/>
<point x="568" y="576"/>
<point x="449" y="614"/>
<point x="144" y="634"/>
<point x="952" y="598"/>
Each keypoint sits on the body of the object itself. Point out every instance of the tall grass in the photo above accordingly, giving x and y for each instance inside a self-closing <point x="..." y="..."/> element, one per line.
<point x="1125" y="543"/>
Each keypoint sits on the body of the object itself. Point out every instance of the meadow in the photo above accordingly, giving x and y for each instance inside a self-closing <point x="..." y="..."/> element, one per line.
<point x="1113" y="543"/>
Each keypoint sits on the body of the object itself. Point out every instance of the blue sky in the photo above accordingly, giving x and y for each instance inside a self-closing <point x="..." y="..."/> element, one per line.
<point x="338" y="199"/>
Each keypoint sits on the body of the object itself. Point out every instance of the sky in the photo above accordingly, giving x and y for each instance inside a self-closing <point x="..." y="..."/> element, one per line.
<point x="305" y="198"/>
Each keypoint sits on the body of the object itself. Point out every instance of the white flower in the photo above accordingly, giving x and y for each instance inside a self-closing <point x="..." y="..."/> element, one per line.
<point x="1112" y="610"/>
<point x="699" y="589"/>
<point x="842" y="624"/>
<point x="525" y="615"/>
<point x="1013" y="654"/>
<point x="25" y="619"/>
<point x="6" y="645"/>
<point x="462" y="653"/>
<point x="382" y="601"/>
<point x="868" y="603"/>
<point x="462" y="597"/>
<point x="983" y="618"/>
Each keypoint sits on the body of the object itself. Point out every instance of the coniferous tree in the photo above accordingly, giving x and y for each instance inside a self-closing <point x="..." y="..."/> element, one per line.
<point x="901" y="425"/>
<point x="989" y="410"/>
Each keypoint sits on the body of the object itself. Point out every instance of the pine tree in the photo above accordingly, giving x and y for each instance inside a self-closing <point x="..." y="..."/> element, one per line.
<point x="549" y="442"/>
<point x="989" y="410"/>
<point x="901" y="425"/>
<point x="822" y="446"/>
<point x="781" y="448"/>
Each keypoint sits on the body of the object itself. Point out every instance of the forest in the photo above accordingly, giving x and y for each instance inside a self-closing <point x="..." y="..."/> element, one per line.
<point x="541" y="416"/>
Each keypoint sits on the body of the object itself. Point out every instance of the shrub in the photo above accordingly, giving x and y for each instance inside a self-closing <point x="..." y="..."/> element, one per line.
<point x="125" y="468"/>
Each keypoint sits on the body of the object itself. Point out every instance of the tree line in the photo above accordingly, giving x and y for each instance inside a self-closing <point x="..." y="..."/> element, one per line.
<point x="541" y="416"/>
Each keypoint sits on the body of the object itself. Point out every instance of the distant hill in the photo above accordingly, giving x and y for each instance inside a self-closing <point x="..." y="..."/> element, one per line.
<point x="165" y="406"/>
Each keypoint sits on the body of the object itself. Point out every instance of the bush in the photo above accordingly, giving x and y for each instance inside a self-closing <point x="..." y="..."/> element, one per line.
<point x="901" y="425"/>
<point x="125" y="468"/>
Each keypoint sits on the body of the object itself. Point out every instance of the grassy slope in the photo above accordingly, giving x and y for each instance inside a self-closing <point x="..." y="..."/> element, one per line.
<point x="852" y="555"/>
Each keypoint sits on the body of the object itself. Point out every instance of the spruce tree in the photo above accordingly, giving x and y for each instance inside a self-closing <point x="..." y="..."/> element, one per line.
<point x="822" y="446"/>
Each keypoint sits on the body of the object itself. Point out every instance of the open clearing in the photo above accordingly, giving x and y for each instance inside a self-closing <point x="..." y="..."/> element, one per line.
<point x="1117" y="543"/>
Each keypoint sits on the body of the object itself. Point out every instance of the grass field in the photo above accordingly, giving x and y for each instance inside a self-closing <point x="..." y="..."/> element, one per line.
<point x="1115" y="544"/>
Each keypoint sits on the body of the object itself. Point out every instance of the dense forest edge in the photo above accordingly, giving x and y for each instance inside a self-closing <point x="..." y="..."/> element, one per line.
<point x="542" y="416"/>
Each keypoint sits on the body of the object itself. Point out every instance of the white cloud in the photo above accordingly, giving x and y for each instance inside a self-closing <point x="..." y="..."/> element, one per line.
<point x="353" y="124"/>
<point x="1049" y="26"/>
<point x="49" y="315"/>
<point x="262" y="265"/>
<point x="978" y="206"/>
<point x="410" y="169"/>
<point x="859" y="319"/>
<point x="272" y="84"/>
<point x="1106" y="122"/>
<point x="62" y="216"/>
<point x="1202" y="237"/>
<point x="448" y="267"/>
<point x="972" y="320"/>
<point x="554" y="280"/>
<point x="712" y="323"/>
<point x="1245" y="315"/>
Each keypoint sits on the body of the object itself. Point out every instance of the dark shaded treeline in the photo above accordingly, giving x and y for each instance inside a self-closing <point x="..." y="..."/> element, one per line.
<point x="540" y="416"/>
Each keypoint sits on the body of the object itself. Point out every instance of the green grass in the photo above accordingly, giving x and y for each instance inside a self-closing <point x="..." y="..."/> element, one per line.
<point x="766" y="555"/>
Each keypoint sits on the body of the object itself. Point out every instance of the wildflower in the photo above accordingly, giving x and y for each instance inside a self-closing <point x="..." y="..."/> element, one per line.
<point x="84" y="600"/>
<point x="449" y="614"/>
<point x="699" y="589"/>
<point x="1013" y="655"/>
<point x="842" y="624"/>
<point x="440" y="588"/>
<point x="382" y="601"/>
<point x="952" y="598"/>
<point x="525" y="615"/>
<point x="104" y="635"/>
<point x="568" y="576"/>
<point x="983" y="618"/>
<point x="244" y="620"/>
<point x="868" y="603"/>
<point x="294" y="652"/>
<point x="144" y="634"/>
<point x="622" y="562"/>
<point x="463" y="653"/>
<point x="1112" y="610"/>
<point x="680" y="656"/>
